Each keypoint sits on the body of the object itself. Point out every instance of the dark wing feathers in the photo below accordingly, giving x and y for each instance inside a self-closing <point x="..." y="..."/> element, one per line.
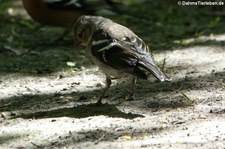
<point x="126" y="52"/>
<point x="117" y="59"/>
<point x="68" y="5"/>
<point x="89" y="6"/>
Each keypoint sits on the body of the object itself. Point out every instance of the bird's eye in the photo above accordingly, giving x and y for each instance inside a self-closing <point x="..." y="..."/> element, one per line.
<point x="80" y="35"/>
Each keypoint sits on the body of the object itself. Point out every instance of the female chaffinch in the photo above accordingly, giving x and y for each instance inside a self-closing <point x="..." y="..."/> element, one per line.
<point x="116" y="50"/>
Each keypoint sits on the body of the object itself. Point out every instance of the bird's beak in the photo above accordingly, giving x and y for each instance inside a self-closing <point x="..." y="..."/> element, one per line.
<point x="77" y="44"/>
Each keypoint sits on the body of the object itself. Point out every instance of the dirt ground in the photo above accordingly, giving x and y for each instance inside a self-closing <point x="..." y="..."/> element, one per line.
<point x="186" y="113"/>
<point x="47" y="102"/>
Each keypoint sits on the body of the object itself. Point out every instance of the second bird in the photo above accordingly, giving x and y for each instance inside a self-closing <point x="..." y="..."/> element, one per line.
<point x="116" y="50"/>
<point x="64" y="13"/>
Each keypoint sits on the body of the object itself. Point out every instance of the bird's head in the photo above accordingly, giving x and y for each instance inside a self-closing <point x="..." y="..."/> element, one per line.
<point x="85" y="27"/>
<point x="83" y="31"/>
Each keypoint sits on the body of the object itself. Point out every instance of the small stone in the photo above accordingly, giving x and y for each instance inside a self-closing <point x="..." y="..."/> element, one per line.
<point x="4" y="115"/>
<point x="201" y="116"/>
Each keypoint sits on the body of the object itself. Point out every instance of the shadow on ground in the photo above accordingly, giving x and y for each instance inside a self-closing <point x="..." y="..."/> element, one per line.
<point x="102" y="135"/>
<point x="82" y="111"/>
<point x="143" y="86"/>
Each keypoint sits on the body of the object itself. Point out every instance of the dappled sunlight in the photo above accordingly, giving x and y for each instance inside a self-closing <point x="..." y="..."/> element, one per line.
<point x="199" y="60"/>
<point x="17" y="84"/>
<point x="48" y="91"/>
<point x="202" y="60"/>
<point x="195" y="134"/>
<point x="78" y="129"/>
<point x="212" y="37"/>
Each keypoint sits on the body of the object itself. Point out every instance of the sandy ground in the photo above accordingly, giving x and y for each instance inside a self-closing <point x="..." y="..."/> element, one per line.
<point x="58" y="112"/>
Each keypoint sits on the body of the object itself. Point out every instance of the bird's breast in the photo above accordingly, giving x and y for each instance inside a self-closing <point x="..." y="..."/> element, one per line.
<point x="109" y="71"/>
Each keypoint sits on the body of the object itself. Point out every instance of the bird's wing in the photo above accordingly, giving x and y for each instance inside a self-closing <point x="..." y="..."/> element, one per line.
<point x="125" y="51"/>
<point x="90" y="6"/>
<point x="67" y="4"/>
<point x="111" y="53"/>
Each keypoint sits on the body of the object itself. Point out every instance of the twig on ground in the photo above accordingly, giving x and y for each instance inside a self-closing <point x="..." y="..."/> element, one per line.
<point x="102" y="137"/>
<point x="38" y="146"/>
<point x="186" y="97"/>
<point x="176" y="90"/>
<point x="164" y="63"/>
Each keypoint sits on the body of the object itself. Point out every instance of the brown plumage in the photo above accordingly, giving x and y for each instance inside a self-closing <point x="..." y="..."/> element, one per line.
<point x="62" y="13"/>
<point x="116" y="50"/>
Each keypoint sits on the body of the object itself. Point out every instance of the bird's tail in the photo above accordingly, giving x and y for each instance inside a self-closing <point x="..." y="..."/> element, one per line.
<point x="156" y="72"/>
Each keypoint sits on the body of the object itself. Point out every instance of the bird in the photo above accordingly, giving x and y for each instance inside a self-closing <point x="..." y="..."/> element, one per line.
<point x="63" y="13"/>
<point x="116" y="50"/>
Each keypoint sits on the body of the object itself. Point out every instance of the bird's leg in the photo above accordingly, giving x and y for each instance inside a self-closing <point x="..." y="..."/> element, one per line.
<point x="134" y="80"/>
<point x="108" y="84"/>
